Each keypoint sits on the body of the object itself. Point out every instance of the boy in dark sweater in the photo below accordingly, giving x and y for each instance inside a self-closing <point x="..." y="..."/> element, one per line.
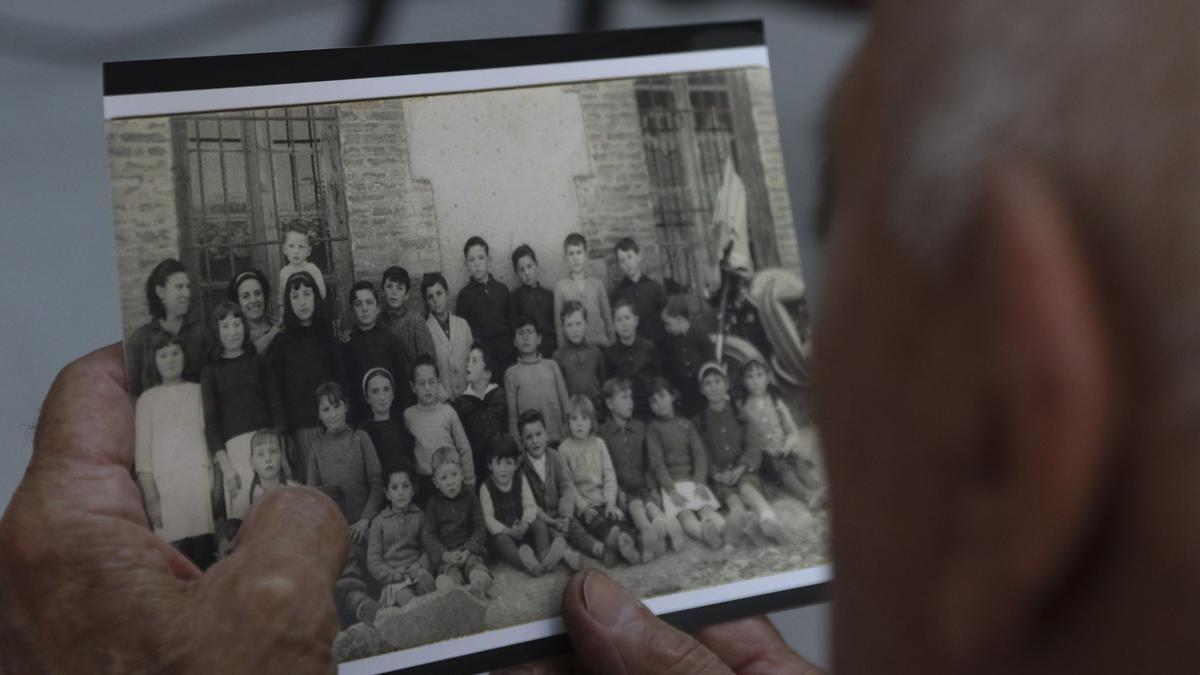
<point x="406" y="323"/>
<point x="482" y="408"/>
<point x="454" y="533"/>
<point x="394" y="555"/>
<point x="532" y="299"/>
<point x="685" y="349"/>
<point x="646" y="295"/>
<point x="581" y="362"/>
<point x="632" y="357"/>
<point x="485" y="304"/>
<point x="553" y="488"/>
<point x="373" y="345"/>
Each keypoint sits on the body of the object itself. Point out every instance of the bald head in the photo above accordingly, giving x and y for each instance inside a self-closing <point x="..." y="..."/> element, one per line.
<point x="1013" y="300"/>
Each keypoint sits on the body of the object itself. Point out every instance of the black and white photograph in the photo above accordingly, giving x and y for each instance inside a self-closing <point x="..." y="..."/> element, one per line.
<point x="513" y="330"/>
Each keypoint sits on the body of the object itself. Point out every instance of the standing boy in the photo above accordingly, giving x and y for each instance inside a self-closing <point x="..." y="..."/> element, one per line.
<point x="485" y="305"/>
<point x="632" y="357"/>
<point x="532" y="299"/>
<point x="646" y="294"/>
<point x="588" y="291"/>
<point x="685" y="349"/>
<point x="406" y="323"/>
<point x="581" y="362"/>
<point x="434" y="425"/>
<point x="534" y="383"/>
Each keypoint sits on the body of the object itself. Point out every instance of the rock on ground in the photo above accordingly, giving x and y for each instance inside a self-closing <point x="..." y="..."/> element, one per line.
<point x="358" y="642"/>
<point x="434" y="617"/>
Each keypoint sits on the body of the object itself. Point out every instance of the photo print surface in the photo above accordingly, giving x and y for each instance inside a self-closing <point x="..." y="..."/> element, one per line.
<point x="512" y="329"/>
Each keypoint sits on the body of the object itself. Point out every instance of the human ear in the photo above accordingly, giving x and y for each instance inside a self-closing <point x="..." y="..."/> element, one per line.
<point x="1030" y="491"/>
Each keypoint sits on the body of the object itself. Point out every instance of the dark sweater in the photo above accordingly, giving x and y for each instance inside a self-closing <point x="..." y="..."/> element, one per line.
<point x="488" y="312"/>
<point x="240" y="395"/>
<point x="482" y="419"/>
<point x="538" y="303"/>
<point x="376" y="348"/>
<point x="627" y="448"/>
<point x="556" y="494"/>
<point x="302" y="361"/>
<point x="139" y="362"/>
<point x="675" y="452"/>
<point x="639" y="363"/>
<point x="451" y="524"/>
<point x="393" y="444"/>
<point x="682" y="357"/>
<point x="582" y="368"/>
<point x="724" y="438"/>
<point x="649" y="298"/>
<point x="343" y="464"/>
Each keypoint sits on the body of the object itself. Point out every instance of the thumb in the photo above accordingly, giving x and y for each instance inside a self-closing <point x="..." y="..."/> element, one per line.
<point x="269" y="606"/>
<point x="613" y="632"/>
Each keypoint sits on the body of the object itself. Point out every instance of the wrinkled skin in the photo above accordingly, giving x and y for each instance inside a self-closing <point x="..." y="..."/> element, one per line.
<point x="86" y="586"/>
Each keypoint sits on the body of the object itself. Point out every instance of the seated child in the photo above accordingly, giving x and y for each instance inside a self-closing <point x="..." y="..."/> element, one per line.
<point x="637" y="494"/>
<point x="549" y="479"/>
<point x="393" y="444"/>
<point x="631" y="357"/>
<point x="511" y="514"/>
<point x="680" y="466"/>
<point x="589" y="291"/>
<point x="482" y="408"/>
<point x="266" y="458"/>
<point x="685" y="349"/>
<point x="296" y="248"/>
<point x="581" y="362"/>
<point x="534" y="383"/>
<point x="533" y="299"/>
<point x="771" y="430"/>
<point x="343" y="464"/>
<point x="434" y="425"/>
<point x="395" y="558"/>
<point x="453" y="534"/>
<point x="595" y="483"/>
<point x="733" y="463"/>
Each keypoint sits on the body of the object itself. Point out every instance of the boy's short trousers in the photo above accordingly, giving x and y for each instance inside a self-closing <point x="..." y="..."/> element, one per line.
<point x="462" y="573"/>
<point x="624" y="497"/>
<point x="724" y="492"/>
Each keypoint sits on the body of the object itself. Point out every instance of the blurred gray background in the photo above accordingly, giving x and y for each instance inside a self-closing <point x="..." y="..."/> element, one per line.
<point x="59" y="271"/>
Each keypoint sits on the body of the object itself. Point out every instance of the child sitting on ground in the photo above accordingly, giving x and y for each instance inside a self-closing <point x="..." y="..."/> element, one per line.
<point x="266" y="458"/>
<point x="680" y="466"/>
<point x="734" y="463"/>
<point x="434" y="425"/>
<point x="453" y="534"/>
<point x="395" y="558"/>
<point x="771" y="430"/>
<point x="587" y="290"/>
<point x="534" y="383"/>
<point x="581" y="362"/>
<point x="511" y="514"/>
<point x="595" y="483"/>
<point x="482" y="408"/>
<point x="625" y="438"/>
<point x="549" y="478"/>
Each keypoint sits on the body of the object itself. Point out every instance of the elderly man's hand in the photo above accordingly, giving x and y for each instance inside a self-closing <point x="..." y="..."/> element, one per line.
<point x="85" y="586"/>
<point x="613" y="633"/>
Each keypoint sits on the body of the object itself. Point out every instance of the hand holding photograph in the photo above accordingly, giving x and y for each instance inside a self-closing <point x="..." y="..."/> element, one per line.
<point x="517" y="306"/>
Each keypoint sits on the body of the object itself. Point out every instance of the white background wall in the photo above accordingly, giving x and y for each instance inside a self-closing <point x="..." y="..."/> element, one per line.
<point x="57" y="266"/>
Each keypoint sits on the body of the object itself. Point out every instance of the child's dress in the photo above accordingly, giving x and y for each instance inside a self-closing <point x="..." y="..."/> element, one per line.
<point x="170" y="446"/>
<point x="679" y="464"/>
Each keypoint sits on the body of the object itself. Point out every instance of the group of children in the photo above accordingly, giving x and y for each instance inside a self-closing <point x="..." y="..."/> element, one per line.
<point x="622" y="443"/>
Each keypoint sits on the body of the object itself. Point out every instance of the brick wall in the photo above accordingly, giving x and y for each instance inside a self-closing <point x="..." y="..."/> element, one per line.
<point x="391" y="215"/>
<point x="140" y="169"/>
<point x="763" y="102"/>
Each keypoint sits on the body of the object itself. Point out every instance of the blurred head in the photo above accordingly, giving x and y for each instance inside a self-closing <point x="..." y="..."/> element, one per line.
<point x="302" y="302"/>
<point x="662" y="398"/>
<point x="532" y="427"/>
<point x="295" y="245"/>
<point x="714" y="385"/>
<point x="476" y="256"/>
<point x="168" y="290"/>
<point x="526" y="336"/>
<point x="574" y="321"/>
<point x="169" y="358"/>
<point x="228" y="325"/>
<point x="331" y="406"/>
<point x="379" y="390"/>
<point x="480" y="366"/>
<point x="618" y="396"/>
<point x="436" y="294"/>
<point x="425" y="379"/>
<point x="524" y="262"/>
<point x="1008" y="322"/>
<point x="629" y="257"/>
<point x="266" y="455"/>
<point x="625" y="320"/>
<point x="580" y="416"/>
<point x="251" y="291"/>
<point x="447" y="471"/>
<point x="504" y="458"/>
<point x="395" y="284"/>
<point x="677" y="316"/>
<point x="365" y="304"/>
<point x="400" y="487"/>
<point x="575" y="251"/>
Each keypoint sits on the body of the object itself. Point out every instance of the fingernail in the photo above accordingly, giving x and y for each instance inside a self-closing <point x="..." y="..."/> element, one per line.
<point x="608" y="603"/>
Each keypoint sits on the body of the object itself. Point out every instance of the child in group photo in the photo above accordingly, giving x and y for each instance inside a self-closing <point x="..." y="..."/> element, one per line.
<point x="734" y="463"/>
<point x="680" y="465"/>
<point x="637" y="492"/>
<point x="646" y="294"/>
<point x="303" y="357"/>
<point x="632" y="357"/>
<point x="771" y="430"/>
<point x="344" y="464"/>
<point x="482" y="407"/>
<point x="532" y="299"/>
<point x="581" y="362"/>
<point x="270" y="467"/>
<point x="171" y="458"/>
<point x="395" y="557"/>
<point x="372" y="345"/>
<point x="549" y="478"/>
<point x="451" y="334"/>
<point x="241" y="396"/>
<point x="484" y="304"/>
<point x="511" y="514"/>
<point x="296" y="249"/>
<point x="533" y="382"/>
<point x="454" y="535"/>
<point x="684" y="350"/>
<point x="589" y="291"/>
<point x="405" y="322"/>
<point x="393" y="444"/>
<point x="433" y="425"/>
<point x="596" y="484"/>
